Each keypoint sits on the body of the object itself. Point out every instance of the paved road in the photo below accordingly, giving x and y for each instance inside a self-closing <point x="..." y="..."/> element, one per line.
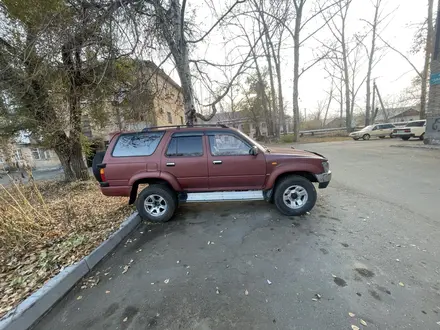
<point x="53" y="174"/>
<point x="376" y="226"/>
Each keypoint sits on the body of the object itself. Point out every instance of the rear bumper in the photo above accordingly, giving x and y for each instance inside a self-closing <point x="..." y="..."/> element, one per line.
<point x="323" y="179"/>
<point x="403" y="135"/>
<point x="116" y="190"/>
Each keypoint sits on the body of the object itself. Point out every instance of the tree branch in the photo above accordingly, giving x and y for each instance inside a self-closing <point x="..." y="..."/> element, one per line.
<point x="217" y="23"/>
<point x="401" y="54"/>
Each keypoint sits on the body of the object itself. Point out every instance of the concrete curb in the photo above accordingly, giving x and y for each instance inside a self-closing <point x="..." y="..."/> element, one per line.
<point x="35" y="306"/>
<point x="426" y="147"/>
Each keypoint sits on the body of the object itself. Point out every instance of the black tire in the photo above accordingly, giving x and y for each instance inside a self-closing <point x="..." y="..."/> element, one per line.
<point x="294" y="180"/>
<point x="366" y="137"/>
<point x="99" y="157"/>
<point x="168" y="196"/>
<point x="391" y="136"/>
<point x="422" y="137"/>
<point x="381" y="137"/>
<point x="355" y="138"/>
<point x="405" y="138"/>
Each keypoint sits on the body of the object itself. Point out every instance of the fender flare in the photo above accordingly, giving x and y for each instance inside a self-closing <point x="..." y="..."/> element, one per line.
<point x="281" y="170"/>
<point x="163" y="176"/>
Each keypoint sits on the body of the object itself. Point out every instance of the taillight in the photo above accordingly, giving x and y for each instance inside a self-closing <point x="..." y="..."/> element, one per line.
<point x="408" y="130"/>
<point x="102" y="173"/>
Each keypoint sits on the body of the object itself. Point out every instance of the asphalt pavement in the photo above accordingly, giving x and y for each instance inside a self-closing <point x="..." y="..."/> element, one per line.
<point x="370" y="248"/>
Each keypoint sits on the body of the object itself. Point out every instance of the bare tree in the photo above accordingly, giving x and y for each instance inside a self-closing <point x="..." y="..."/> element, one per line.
<point x="370" y="53"/>
<point x="171" y="26"/>
<point x="426" y="31"/>
<point x="340" y="53"/>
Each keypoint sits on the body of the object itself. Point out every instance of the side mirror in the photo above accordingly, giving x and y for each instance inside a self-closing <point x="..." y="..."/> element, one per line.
<point x="253" y="151"/>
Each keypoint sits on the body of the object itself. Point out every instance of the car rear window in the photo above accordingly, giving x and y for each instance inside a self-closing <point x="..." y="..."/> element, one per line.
<point x="185" y="146"/>
<point x="137" y="144"/>
<point x="416" y="124"/>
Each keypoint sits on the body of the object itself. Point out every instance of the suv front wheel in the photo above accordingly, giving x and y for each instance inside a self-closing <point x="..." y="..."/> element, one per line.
<point x="295" y="195"/>
<point x="156" y="203"/>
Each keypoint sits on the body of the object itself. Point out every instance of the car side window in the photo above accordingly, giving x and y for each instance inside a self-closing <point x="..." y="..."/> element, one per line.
<point x="185" y="146"/>
<point x="222" y="144"/>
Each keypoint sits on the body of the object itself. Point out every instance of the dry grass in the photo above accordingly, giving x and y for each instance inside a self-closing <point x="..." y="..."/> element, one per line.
<point x="46" y="226"/>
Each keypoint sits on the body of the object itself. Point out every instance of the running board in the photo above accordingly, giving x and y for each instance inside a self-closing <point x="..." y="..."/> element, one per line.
<point x="221" y="196"/>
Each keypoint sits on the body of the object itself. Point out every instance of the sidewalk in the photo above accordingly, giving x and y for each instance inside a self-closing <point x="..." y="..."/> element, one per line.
<point x="417" y="145"/>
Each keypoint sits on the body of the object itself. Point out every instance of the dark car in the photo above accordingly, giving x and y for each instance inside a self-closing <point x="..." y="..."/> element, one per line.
<point x="206" y="163"/>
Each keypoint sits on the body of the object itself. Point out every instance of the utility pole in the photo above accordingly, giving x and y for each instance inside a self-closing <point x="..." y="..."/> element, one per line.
<point x="373" y="104"/>
<point x="432" y="134"/>
<point x="381" y="103"/>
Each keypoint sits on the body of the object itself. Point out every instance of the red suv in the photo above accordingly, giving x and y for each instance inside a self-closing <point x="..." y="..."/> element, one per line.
<point x="206" y="163"/>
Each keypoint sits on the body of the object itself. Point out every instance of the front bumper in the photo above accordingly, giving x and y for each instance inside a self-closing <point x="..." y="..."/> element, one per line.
<point x="323" y="179"/>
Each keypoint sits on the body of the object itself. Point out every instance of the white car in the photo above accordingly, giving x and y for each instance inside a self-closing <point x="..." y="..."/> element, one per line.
<point x="415" y="129"/>
<point x="376" y="130"/>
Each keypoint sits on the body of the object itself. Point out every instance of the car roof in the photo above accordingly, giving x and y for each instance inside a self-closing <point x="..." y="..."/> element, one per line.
<point x="176" y="128"/>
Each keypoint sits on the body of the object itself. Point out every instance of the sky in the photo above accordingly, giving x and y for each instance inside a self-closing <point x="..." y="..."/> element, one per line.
<point x="393" y="73"/>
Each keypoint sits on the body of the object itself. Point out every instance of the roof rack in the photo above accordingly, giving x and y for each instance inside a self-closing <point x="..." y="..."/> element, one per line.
<point x="146" y="129"/>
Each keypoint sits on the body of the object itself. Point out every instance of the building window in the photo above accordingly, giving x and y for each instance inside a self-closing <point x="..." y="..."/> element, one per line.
<point x="18" y="155"/>
<point x="181" y="120"/>
<point x="40" y="154"/>
<point x="170" y="118"/>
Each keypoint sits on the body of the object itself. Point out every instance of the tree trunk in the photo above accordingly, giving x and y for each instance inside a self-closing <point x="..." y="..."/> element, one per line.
<point x="428" y="53"/>
<point x="262" y="93"/>
<point x="280" y="98"/>
<point x="64" y="158"/>
<point x="275" y="127"/>
<point x="341" y="104"/>
<point x="370" y="65"/>
<point x="346" y="80"/>
<point x="296" y="41"/>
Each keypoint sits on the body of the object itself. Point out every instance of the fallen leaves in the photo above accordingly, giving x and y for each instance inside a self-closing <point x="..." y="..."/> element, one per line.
<point x="363" y="322"/>
<point x="354" y="327"/>
<point x="79" y="298"/>
<point x="80" y="219"/>
<point x="246" y="292"/>
<point x="351" y="314"/>
<point x="401" y="284"/>
<point x="269" y="282"/>
<point x="167" y="281"/>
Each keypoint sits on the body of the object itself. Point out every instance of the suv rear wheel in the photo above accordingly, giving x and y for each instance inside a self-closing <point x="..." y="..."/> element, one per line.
<point x="295" y="195"/>
<point x="156" y="203"/>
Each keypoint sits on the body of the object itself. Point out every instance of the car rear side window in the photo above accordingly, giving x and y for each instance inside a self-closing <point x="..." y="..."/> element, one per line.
<point x="137" y="144"/>
<point x="185" y="146"/>
<point x="416" y="124"/>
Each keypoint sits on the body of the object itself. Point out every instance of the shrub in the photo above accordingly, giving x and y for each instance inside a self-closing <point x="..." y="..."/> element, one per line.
<point x="287" y="138"/>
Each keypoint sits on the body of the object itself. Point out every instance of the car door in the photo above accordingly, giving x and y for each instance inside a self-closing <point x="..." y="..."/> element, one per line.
<point x="378" y="130"/>
<point x="186" y="159"/>
<point x="375" y="130"/>
<point x="231" y="166"/>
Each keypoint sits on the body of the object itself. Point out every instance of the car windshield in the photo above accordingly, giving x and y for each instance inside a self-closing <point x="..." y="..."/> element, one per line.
<point x="367" y="128"/>
<point x="253" y="142"/>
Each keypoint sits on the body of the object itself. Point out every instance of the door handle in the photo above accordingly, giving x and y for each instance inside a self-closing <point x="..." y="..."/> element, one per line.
<point x="171" y="164"/>
<point x="216" y="162"/>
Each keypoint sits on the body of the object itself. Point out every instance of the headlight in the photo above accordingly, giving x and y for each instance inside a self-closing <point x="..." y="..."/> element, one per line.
<point x="326" y="166"/>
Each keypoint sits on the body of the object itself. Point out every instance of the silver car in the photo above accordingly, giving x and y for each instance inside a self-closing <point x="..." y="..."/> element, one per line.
<point x="376" y="130"/>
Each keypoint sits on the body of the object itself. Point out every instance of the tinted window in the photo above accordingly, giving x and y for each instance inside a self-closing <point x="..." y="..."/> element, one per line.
<point x="137" y="144"/>
<point x="228" y="145"/>
<point x="416" y="124"/>
<point x="185" y="146"/>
